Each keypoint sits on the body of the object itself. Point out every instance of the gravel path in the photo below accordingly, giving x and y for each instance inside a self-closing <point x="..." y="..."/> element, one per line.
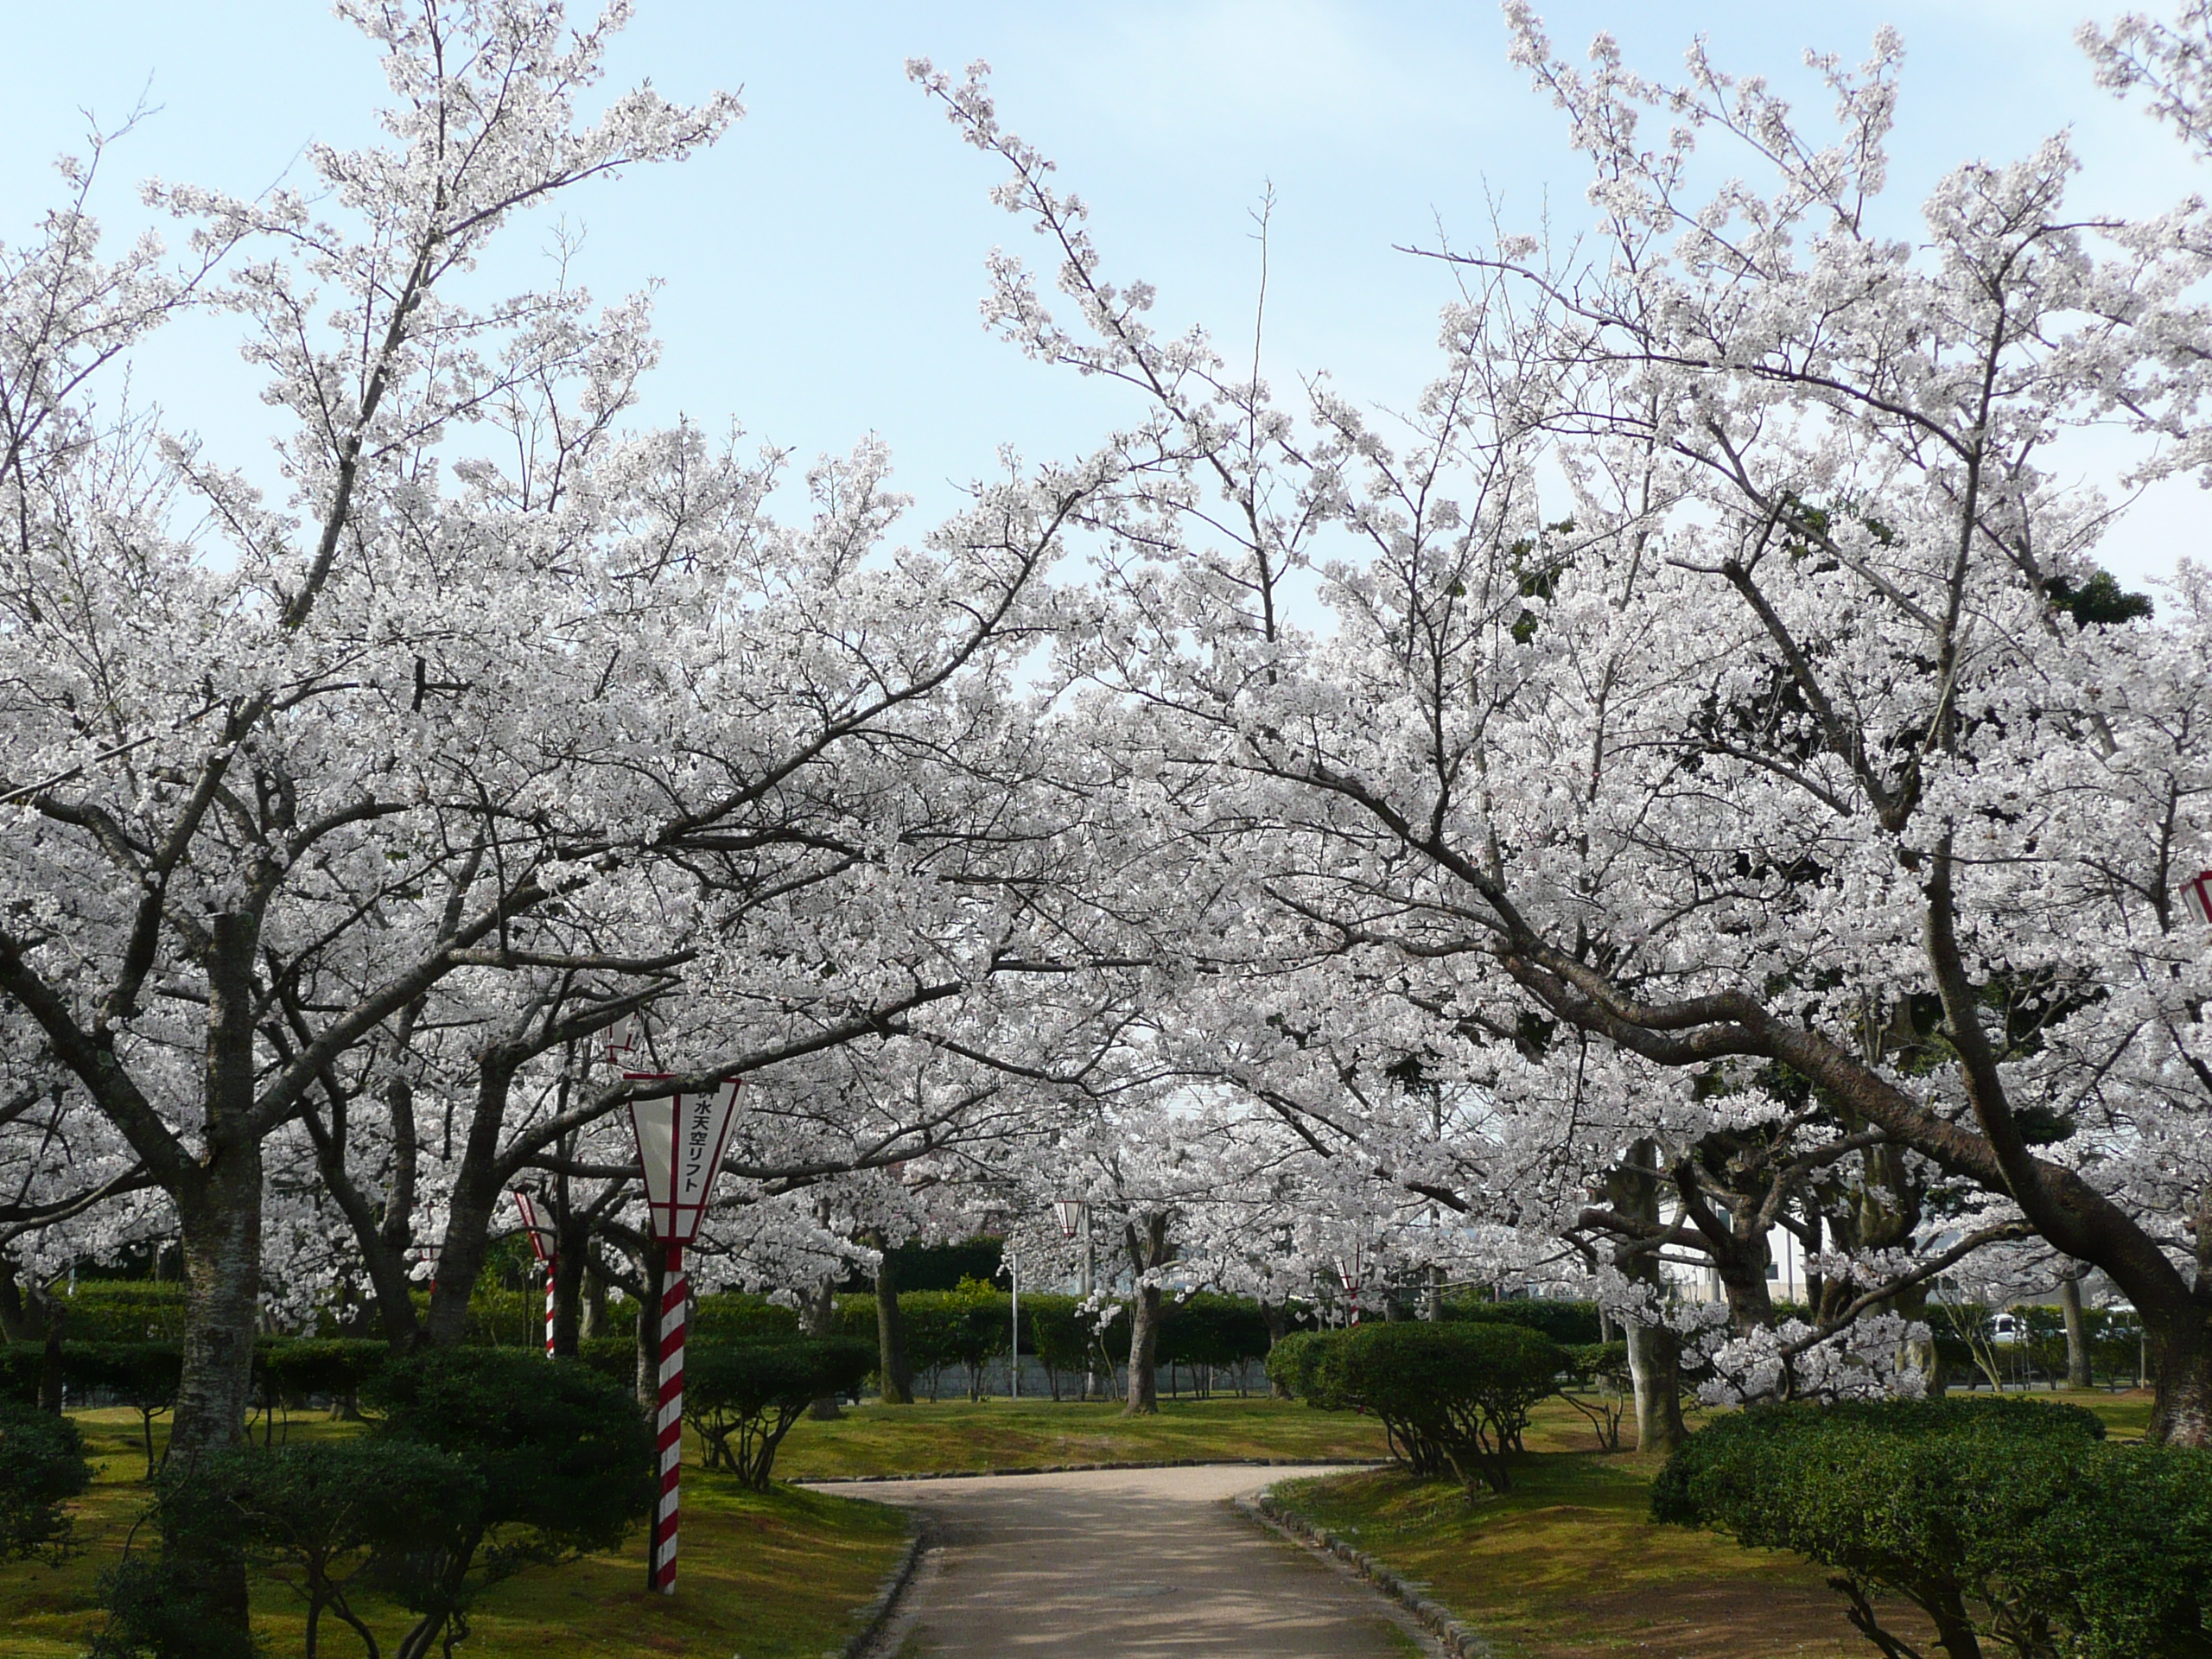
<point x="1127" y="1561"/>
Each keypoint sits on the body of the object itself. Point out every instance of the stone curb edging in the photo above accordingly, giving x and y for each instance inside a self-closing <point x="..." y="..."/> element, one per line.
<point x="1084" y="1468"/>
<point x="1435" y="1617"/>
<point x="877" y="1613"/>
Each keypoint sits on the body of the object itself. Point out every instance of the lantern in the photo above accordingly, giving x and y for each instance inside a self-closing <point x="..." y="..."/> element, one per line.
<point x="2196" y="891"/>
<point x="680" y="1137"/>
<point x="543" y="1244"/>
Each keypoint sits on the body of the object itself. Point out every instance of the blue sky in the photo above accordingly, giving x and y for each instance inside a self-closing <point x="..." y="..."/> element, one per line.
<point x="822" y="265"/>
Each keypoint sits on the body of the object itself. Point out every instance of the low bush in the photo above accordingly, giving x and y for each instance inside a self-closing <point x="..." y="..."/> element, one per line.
<point x="1452" y="1397"/>
<point x="1603" y="1390"/>
<point x="2008" y="1522"/>
<point x="42" y="1466"/>
<point x="1294" y="1363"/>
<point x="561" y="1455"/>
<point x="322" y="1518"/>
<point x="754" y="1391"/>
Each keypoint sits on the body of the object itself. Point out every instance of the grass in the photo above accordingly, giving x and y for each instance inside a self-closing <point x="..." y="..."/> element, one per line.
<point x="775" y="1575"/>
<point x="1000" y="1433"/>
<point x="1565" y="1567"/>
<point x="1569" y="1565"/>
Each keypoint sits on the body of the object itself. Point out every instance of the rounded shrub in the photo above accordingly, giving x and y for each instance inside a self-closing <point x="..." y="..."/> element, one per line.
<point x="752" y="1392"/>
<point x="42" y="1466"/>
<point x="2008" y="1521"/>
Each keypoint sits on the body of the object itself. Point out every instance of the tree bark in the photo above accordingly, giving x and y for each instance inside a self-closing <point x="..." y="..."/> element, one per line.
<point x="895" y="1381"/>
<point x="1653" y="1349"/>
<point x="2078" y="1374"/>
<point x="1278" y="1319"/>
<point x="52" y="1391"/>
<point x="1144" y="1348"/>
<point x="818" y="1316"/>
<point x="591" y="1320"/>
<point x="650" y="1272"/>
<point x="219" y="1215"/>
<point x="571" y="1257"/>
<point x="468" y="1237"/>
<point x="1147" y="1252"/>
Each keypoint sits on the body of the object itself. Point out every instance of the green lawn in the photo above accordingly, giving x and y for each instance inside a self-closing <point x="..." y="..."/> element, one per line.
<point x="1000" y="1433"/>
<point x="1568" y="1566"/>
<point x="770" y="1576"/>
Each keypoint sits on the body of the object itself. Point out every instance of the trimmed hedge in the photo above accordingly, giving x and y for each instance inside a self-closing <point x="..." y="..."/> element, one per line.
<point x="1568" y="1324"/>
<point x="2008" y="1521"/>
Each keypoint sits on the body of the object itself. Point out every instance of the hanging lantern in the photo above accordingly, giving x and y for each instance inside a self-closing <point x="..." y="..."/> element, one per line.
<point x="1351" y="1269"/>
<point x="544" y="1243"/>
<point x="680" y="1138"/>
<point x="680" y="1141"/>
<point x="1071" y="1212"/>
<point x="2196" y="892"/>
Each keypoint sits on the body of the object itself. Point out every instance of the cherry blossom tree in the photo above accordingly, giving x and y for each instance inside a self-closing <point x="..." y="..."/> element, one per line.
<point x="1828" y="880"/>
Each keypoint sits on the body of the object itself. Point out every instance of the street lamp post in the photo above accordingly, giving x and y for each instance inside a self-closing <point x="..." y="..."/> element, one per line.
<point x="679" y="1137"/>
<point x="545" y="1245"/>
<point x="1074" y="1216"/>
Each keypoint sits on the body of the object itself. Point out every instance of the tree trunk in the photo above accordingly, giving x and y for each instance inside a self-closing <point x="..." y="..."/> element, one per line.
<point x="592" y="1321"/>
<point x="2077" y="1336"/>
<point x="571" y="1257"/>
<point x="218" y="1214"/>
<point x="1655" y="1370"/>
<point x="1654" y="1351"/>
<point x="650" y="1271"/>
<point x="1278" y="1319"/>
<point x="894" y="1379"/>
<point x="818" y="1317"/>
<point x="2180" y="1375"/>
<point x="1144" y="1347"/>
<point x="467" y="1242"/>
<point x="1147" y="1254"/>
<point x="52" y="1390"/>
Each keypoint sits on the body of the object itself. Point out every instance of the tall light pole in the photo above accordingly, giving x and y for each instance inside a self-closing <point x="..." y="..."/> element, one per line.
<point x="1075" y="1215"/>
<point x="679" y="1138"/>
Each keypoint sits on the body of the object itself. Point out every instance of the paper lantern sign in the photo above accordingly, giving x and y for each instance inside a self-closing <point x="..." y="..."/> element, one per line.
<point x="541" y="1235"/>
<point x="625" y="1036"/>
<point x="680" y="1146"/>
<point x="2198" y="891"/>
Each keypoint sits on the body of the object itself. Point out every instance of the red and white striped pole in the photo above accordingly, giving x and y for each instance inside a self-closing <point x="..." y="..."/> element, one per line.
<point x="680" y="1136"/>
<point x="668" y="1427"/>
<point x="542" y="1242"/>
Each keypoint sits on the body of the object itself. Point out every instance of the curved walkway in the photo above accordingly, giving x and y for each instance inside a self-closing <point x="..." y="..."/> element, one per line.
<point x="1125" y="1562"/>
